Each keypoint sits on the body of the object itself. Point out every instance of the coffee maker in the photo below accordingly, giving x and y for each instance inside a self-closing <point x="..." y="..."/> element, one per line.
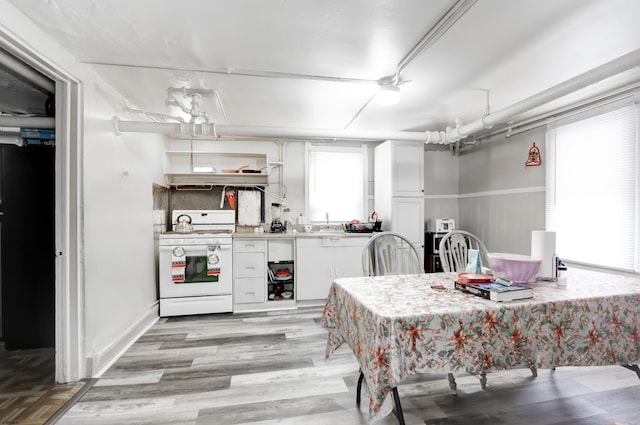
<point x="277" y="223"/>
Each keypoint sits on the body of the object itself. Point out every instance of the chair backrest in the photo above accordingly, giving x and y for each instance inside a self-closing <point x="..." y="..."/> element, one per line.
<point x="454" y="249"/>
<point x="389" y="253"/>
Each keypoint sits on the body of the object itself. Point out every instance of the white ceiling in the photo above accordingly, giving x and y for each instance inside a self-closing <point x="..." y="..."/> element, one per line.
<point x="316" y="63"/>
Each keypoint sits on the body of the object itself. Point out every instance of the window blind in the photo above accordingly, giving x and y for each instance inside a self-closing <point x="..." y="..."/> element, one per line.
<point x="592" y="189"/>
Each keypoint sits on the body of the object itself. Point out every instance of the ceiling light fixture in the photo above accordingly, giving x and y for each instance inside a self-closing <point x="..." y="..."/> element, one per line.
<point x="388" y="93"/>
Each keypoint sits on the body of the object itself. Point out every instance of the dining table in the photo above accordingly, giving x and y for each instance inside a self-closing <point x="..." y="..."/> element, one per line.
<point x="401" y="325"/>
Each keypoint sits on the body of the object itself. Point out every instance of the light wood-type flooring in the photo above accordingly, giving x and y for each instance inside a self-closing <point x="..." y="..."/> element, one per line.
<point x="28" y="392"/>
<point x="269" y="368"/>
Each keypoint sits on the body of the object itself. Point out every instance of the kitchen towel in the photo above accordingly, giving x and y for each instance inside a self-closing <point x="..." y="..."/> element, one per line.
<point x="178" y="264"/>
<point x="213" y="260"/>
<point x="543" y="247"/>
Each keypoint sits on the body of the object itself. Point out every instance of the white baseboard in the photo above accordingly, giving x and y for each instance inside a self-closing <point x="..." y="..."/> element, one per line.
<point x="100" y="362"/>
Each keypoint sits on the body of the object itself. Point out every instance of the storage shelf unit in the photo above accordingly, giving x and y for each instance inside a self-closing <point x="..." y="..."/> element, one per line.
<point x="204" y="167"/>
<point x="280" y="255"/>
<point x="278" y="284"/>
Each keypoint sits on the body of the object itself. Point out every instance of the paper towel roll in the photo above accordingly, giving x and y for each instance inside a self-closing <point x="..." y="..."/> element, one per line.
<point x="543" y="246"/>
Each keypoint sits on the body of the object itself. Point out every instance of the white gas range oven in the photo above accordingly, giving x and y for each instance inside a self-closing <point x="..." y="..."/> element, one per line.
<point x="196" y="266"/>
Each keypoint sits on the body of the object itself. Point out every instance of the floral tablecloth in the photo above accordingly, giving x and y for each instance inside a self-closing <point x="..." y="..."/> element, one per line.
<point x="400" y="325"/>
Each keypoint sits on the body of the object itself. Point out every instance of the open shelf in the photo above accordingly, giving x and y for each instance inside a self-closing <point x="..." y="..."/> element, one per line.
<point x="281" y="280"/>
<point x="203" y="167"/>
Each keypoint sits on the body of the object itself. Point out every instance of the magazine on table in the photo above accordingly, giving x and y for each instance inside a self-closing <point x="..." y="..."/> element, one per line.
<point x="496" y="291"/>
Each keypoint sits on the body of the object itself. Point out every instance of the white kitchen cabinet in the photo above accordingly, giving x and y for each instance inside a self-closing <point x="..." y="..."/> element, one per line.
<point x="400" y="166"/>
<point x="399" y="189"/>
<point x="321" y="260"/>
<point x="249" y="271"/>
<point x="407" y="219"/>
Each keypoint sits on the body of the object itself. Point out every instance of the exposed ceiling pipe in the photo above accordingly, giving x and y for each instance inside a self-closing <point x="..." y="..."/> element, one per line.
<point x="27" y="122"/>
<point x="26" y="73"/>
<point x="234" y="72"/>
<point x="619" y="93"/>
<point x="443" y="25"/>
<point x="217" y="131"/>
<point x="451" y="135"/>
<point x="609" y="69"/>
<point x="446" y="21"/>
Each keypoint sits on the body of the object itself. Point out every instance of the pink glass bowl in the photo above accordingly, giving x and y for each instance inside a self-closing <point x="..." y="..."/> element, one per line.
<point x="514" y="267"/>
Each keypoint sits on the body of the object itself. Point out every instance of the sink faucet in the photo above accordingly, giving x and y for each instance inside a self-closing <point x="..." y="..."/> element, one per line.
<point x="326" y="215"/>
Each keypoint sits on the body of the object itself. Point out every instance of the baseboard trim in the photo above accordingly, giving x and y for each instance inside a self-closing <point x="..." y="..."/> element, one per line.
<point x="100" y="362"/>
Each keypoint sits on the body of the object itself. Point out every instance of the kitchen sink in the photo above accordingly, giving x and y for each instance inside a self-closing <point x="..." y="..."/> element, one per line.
<point x="328" y="233"/>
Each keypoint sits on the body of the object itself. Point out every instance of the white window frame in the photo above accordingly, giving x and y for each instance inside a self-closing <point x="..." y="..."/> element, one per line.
<point x="360" y="149"/>
<point x="601" y="228"/>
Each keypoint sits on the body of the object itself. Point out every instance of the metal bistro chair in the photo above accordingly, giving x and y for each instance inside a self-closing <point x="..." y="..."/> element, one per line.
<point x="389" y="253"/>
<point x="453" y="251"/>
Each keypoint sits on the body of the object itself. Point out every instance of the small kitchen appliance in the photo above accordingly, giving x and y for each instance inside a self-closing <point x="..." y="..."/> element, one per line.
<point x="437" y="228"/>
<point x="183" y="224"/>
<point x="277" y="223"/>
<point x="195" y="275"/>
<point x="441" y="225"/>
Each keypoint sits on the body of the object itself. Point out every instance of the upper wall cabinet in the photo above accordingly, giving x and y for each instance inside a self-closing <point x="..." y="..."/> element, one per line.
<point x="399" y="169"/>
<point x="186" y="166"/>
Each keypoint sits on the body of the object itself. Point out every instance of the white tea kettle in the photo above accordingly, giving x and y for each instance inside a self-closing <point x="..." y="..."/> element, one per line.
<point x="183" y="224"/>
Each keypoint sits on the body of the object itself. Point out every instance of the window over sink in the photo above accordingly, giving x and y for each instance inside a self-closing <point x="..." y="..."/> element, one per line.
<point x="336" y="182"/>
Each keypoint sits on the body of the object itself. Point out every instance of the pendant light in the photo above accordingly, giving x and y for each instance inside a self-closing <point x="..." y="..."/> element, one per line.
<point x="388" y="94"/>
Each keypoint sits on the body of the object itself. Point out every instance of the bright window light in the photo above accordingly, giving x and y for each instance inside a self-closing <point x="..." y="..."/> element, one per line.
<point x="592" y="189"/>
<point x="335" y="183"/>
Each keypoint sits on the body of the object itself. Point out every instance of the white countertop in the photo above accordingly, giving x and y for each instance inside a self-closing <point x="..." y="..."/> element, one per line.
<point x="285" y="235"/>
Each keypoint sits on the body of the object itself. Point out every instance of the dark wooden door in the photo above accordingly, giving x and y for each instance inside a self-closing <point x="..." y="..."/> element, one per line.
<point x="27" y="246"/>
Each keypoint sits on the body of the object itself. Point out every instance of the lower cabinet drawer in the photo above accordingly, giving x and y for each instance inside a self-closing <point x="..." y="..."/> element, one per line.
<point x="249" y="290"/>
<point x="249" y="264"/>
<point x="249" y="245"/>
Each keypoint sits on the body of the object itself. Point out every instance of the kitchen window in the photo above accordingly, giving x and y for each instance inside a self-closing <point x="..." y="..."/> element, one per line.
<point x="592" y="188"/>
<point x="336" y="182"/>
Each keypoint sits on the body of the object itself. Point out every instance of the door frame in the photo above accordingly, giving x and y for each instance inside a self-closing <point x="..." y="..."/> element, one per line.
<point x="70" y="365"/>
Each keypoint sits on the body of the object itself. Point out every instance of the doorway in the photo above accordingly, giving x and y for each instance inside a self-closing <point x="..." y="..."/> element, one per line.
<point x="27" y="245"/>
<point x="66" y="179"/>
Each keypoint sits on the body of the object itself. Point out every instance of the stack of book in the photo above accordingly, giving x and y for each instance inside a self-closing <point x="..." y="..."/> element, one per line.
<point x="486" y="287"/>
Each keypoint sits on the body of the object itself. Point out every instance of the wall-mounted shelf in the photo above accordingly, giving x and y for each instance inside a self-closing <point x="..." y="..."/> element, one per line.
<point x="203" y="167"/>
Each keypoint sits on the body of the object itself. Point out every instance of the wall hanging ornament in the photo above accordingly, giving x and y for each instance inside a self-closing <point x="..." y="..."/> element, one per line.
<point x="534" y="156"/>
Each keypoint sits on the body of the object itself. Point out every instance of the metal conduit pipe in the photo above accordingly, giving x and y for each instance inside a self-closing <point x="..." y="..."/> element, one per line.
<point x="451" y="135"/>
<point x="618" y="93"/>
<point x="217" y="130"/>
<point x="27" y="122"/>
<point x="624" y="63"/>
<point x="443" y="25"/>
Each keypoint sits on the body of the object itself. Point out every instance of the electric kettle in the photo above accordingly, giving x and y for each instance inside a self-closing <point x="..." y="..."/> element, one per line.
<point x="183" y="224"/>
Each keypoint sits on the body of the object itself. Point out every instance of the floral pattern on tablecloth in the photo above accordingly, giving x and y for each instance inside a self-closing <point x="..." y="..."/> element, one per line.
<point x="399" y="325"/>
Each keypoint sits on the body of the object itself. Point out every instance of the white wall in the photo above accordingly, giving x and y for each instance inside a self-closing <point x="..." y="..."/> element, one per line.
<point x="120" y="269"/>
<point x="441" y="185"/>
<point x="117" y="173"/>
<point x="502" y="200"/>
